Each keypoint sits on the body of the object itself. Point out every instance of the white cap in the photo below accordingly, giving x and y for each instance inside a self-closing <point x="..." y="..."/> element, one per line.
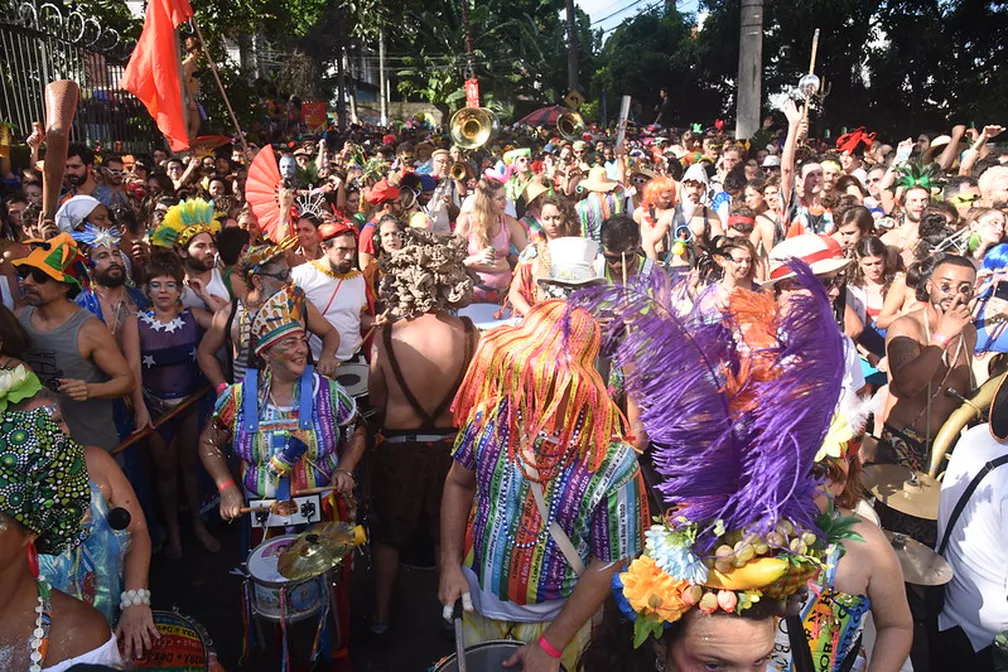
<point x="572" y="261"/>
<point x="771" y="161"/>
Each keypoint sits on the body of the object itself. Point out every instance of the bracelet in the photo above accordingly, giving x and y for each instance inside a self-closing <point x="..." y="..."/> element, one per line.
<point x="134" y="598"/>
<point x="348" y="473"/>
<point x="943" y="341"/>
<point x="221" y="487"/>
<point x="220" y="388"/>
<point x="549" y="649"/>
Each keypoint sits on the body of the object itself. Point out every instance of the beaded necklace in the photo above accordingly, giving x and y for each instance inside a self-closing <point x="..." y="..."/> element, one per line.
<point x="43" y="620"/>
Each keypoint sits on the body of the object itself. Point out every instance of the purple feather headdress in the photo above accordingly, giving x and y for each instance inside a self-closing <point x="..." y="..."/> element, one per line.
<point x="734" y="451"/>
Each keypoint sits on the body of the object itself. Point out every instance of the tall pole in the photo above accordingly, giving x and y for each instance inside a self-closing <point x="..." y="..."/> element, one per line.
<point x="381" y="78"/>
<point x="572" y="55"/>
<point x="750" y="69"/>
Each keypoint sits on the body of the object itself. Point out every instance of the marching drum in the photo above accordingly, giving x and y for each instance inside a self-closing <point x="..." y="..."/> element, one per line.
<point x="275" y="598"/>
<point x="485" y="657"/>
<point x="183" y="646"/>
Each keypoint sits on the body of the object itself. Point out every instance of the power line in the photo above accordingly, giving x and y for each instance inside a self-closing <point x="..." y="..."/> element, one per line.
<point x="618" y="11"/>
<point x="646" y="9"/>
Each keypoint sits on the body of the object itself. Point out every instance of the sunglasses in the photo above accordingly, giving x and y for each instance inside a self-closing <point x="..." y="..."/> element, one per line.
<point x="38" y="276"/>
<point x="282" y="276"/>
<point x="618" y="257"/>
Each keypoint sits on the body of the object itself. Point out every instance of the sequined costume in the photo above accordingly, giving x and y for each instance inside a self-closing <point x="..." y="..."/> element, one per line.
<point x="93" y="571"/>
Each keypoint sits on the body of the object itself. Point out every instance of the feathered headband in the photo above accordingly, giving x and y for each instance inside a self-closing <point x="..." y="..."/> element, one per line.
<point x="736" y="412"/>
<point x="918" y="175"/>
<point x="185" y="221"/>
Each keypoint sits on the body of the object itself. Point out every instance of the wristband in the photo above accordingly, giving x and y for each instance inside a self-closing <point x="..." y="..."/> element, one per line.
<point x="548" y="649"/>
<point x="225" y="484"/>
<point x="220" y="388"/>
<point x="938" y="339"/>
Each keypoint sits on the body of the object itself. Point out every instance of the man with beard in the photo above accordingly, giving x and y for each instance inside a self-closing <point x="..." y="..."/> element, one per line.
<point x="71" y="351"/>
<point x="444" y="205"/>
<point x="77" y="176"/>
<point x="113" y="194"/>
<point x="338" y="290"/>
<point x="904" y="238"/>
<point x="929" y="355"/>
<point x="703" y="223"/>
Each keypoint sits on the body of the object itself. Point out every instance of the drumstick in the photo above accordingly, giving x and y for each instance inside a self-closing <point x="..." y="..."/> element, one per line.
<point x="251" y="509"/>
<point x="186" y="403"/>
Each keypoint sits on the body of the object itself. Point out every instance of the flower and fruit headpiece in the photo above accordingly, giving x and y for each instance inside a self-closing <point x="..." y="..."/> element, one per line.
<point x="736" y="412"/>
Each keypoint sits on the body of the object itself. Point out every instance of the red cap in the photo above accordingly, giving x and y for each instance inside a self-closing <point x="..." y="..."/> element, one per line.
<point x="382" y="192"/>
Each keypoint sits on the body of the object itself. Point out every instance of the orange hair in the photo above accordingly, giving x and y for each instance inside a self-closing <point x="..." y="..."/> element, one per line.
<point x="655" y="186"/>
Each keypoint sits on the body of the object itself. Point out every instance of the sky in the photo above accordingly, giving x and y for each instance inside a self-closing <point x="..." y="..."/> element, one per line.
<point x="607" y="14"/>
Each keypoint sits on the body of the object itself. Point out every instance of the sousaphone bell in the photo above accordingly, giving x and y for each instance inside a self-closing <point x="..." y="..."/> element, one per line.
<point x="570" y="126"/>
<point x="472" y="127"/>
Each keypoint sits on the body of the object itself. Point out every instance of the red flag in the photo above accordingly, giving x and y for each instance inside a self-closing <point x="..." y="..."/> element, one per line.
<point x="153" y="73"/>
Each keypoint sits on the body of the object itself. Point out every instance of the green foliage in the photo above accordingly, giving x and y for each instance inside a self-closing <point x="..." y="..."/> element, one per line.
<point x="893" y="65"/>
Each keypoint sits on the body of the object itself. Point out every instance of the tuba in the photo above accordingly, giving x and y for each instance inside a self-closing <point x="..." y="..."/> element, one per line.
<point x="570" y="125"/>
<point x="472" y="127"/>
<point x="974" y="408"/>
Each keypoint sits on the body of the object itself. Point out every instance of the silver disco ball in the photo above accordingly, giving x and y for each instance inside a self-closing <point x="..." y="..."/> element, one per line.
<point x="809" y="85"/>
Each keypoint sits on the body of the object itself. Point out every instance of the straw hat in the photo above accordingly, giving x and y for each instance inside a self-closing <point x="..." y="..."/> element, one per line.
<point x="598" y="180"/>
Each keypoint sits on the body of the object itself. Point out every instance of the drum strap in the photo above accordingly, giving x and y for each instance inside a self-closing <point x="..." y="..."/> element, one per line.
<point x="250" y="399"/>
<point x="560" y="537"/>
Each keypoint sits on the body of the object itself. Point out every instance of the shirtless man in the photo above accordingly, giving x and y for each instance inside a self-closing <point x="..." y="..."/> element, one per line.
<point x="929" y="353"/>
<point x="417" y="364"/>
<point x="906" y="235"/>
<point x="704" y="224"/>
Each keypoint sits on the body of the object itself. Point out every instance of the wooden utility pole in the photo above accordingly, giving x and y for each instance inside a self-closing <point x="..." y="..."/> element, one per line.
<point x="750" y="70"/>
<point x="572" y="54"/>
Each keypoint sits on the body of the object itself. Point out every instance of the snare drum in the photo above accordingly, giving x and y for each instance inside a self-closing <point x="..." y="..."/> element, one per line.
<point x="302" y="600"/>
<point x="485" y="657"/>
<point x="183" y="646"/>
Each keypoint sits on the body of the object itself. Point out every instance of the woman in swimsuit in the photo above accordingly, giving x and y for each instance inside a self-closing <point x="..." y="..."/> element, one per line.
<point x="491" y="233"/>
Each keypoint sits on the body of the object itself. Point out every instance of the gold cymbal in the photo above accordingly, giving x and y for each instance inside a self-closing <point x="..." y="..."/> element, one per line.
<point x="318" y="549"/>
<point x="911" y="492"/>
<point x="921" y="566"/>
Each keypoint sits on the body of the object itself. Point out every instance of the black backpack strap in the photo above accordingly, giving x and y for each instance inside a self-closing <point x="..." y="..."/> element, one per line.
<point x="964" y="498"/>
<point x="229" y="342"/>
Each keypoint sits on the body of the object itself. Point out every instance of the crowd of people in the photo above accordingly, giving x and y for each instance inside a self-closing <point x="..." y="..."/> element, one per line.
<point x="628" y="387"/>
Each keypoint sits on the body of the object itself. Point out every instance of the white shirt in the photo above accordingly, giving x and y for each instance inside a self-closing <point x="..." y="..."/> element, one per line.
<point x="977" y="597"/>
<point x="216" y="288"/>
<point x="853" y="378"/>
<point x="340" y="299"/>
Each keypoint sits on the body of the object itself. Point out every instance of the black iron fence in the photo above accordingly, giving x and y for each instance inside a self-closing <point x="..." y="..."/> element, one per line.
<point x="41" y="43"/>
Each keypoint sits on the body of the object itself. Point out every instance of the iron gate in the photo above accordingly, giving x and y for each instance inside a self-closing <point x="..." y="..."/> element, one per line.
<point x="40" y="43"/>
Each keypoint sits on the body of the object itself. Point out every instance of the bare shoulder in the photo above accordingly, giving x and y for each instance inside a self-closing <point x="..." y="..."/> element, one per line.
<point x="77" y="628"/>
<point x="906" y="325"/>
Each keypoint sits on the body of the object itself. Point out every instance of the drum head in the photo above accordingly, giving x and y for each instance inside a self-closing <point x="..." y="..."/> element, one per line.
<point x="262" y="561"/>
<point x="485" y="657"/>
<point x="353" y="377"/>
<point x="182" y="647"/>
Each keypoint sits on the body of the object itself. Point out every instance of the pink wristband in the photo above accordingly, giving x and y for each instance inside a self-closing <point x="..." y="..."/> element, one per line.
<point x="549" y="650"/>
<point x="943" y="341"/>
<point x="221" y="388"/>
